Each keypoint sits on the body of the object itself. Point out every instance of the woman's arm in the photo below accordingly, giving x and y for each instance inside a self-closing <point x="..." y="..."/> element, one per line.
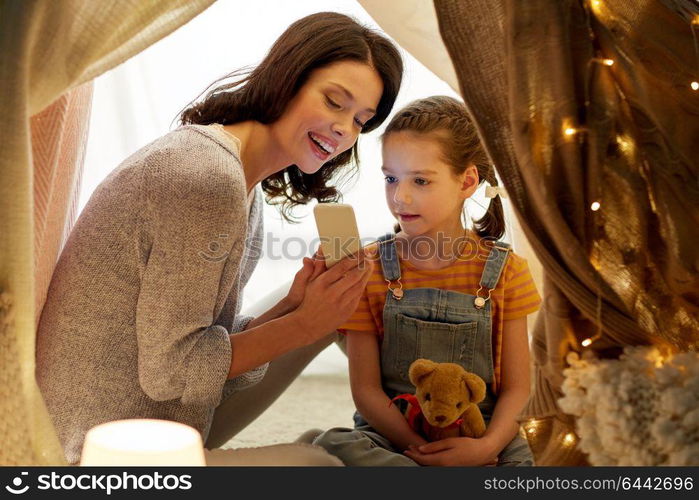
<point x="369" y="396"/>
<point x="278" y="310"/>
<point x="312" y="268"/>
<point x="329" y="300"/>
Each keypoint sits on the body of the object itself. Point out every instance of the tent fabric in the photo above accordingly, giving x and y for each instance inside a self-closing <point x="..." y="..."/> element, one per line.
<point x="59" y="141"/>
<point x="49" y="48"/>
<point x="566" y="129"/>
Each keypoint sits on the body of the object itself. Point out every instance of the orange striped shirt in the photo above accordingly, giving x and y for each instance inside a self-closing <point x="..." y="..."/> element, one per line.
<point x="514" y="297"/>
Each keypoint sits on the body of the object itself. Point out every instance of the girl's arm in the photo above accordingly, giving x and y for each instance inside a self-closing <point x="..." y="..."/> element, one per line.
<point x="368" y="394"/>
<point x="515" y="381"/>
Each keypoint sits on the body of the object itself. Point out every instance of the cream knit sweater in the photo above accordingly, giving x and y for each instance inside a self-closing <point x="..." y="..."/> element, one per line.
<point x="147" y="289"/>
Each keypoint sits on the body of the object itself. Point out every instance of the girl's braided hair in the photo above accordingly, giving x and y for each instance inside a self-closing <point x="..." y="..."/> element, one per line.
<point x="448" y="121"/>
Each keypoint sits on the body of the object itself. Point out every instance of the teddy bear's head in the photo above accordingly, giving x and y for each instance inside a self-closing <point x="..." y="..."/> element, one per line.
<point x="444" y="390"/>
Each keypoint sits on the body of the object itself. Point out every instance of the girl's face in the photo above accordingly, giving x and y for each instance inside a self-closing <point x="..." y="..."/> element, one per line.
<point x="422" y="191"/>
<point x="326" y="115"/>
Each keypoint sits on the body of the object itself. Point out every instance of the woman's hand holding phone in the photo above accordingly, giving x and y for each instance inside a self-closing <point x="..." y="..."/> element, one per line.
<point x="330" y="296"/>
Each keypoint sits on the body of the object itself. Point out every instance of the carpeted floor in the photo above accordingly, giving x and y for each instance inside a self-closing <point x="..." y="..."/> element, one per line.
<point x="312" y="401"/>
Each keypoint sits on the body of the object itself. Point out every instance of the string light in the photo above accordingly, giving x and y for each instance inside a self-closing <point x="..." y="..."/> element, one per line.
<point x="569" y="439"/>
<point x="569" y="131"/>
<point x="693" y="25"/>
<point x="603" y="60"/>
<point x="532" y="425"/>
<point x="595" y="206"/>
<point x="588" y="341"/>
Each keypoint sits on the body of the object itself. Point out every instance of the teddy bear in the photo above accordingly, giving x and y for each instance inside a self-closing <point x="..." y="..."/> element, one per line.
<point x="446" y="400"/>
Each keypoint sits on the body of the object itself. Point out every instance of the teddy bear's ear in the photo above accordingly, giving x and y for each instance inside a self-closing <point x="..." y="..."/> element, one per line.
<point x="475" y="385"/>
<point x="420" y="369"/>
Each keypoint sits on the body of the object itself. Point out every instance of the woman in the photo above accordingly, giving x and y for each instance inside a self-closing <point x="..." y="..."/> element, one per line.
<point x="142" y="315"/>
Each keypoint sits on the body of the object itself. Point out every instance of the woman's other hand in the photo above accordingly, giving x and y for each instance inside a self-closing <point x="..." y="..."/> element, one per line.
<point x="332" y="296"/>
<point x="311" y="269"/>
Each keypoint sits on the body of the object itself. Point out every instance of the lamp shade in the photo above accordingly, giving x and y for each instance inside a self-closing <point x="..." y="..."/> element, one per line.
<point x="142" y="442"/>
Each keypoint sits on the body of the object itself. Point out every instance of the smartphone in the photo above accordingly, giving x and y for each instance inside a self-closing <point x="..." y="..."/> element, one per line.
<point x="337" y="229"/>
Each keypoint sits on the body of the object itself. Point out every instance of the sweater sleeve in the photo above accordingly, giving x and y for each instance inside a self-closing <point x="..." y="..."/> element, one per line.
<point x="194" y="212"/>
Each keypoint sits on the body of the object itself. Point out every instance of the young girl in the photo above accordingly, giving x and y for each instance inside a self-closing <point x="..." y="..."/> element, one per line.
<point x="441" y="292"/>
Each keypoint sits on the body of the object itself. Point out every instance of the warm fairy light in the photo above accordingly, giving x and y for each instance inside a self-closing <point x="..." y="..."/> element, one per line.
<point x="531" y="426"/>
<point x="569" y="439"/>
<point x="659" y="359"/>
<point x="604" y="60"/>
<point x="590" y="340"/>
<point x="570" y="131"/>
<point x="595" y="206"/>
<point x="595" y="5"/>
<point x="625" y="143"/>
<point x="694" y="85"/>
<point x="695" y="20"/>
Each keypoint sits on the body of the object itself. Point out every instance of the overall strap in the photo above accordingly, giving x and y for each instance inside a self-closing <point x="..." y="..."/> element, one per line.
<point x="389" y="257"/>
<point x="497" y="258"/>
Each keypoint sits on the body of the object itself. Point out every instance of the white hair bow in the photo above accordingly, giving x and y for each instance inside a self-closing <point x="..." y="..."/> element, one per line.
<point x="493" y="191"/>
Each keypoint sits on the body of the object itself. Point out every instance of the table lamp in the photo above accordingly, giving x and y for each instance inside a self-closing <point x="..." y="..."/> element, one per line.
<point x="146" y="442"/>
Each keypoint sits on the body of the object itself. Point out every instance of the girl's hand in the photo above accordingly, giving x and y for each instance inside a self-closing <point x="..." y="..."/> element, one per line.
<point x="458" y="451"/>
<point x="332" y="297"/>
<point x="312" y="268"/>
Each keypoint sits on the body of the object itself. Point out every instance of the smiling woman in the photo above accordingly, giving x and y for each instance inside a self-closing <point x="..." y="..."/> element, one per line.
<point x="351" y="70"/>
<point x="142" y="318"/>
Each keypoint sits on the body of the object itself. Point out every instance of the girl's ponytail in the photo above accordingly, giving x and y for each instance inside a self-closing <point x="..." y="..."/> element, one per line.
<point x="492" y="224"/>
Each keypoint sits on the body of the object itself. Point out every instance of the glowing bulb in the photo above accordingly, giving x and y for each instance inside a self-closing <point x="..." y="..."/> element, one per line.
<point x="607" y="62"/>
<point x="586" y="342"/>
<point x="595" y="3"/>
<point x="595" y="206"/>
<point x="695" y="20"/>
<point x="531" y="426"/>
<point x="694" y="85"/>
<point x="569" y="131"/>
<point x="659" y="360"/>
<point x="569" y="439"/>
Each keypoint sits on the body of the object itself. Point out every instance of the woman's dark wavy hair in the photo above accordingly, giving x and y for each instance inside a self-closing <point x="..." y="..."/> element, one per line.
<point x="263" y="93"/>
<point x="447" y="120"/>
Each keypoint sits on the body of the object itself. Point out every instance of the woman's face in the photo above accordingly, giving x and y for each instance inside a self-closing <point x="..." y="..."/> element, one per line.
<point x="326" y="115"/>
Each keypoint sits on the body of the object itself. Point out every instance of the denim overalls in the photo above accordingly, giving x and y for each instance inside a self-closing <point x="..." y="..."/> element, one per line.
<point x="440" y="325"/>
